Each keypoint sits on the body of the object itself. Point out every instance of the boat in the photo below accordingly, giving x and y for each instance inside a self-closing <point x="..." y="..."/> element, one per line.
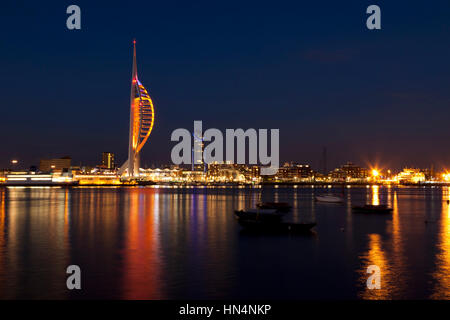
<point x="329" y="198"/>
<point x="266" y="215"/>
<point x="281" y="227"/>
<point x="280" y="206"/>
<point x="38" y="179"/>
<point x="370" y="208"/>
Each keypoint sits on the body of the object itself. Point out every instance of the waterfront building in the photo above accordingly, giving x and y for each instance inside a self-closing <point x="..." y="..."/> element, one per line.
<point x="349" y="172"/>
<point x="411" y="175"/>
<point x="290" y="172"/>
<point x="193" y="176"/>
<point x="20" y="178"/>
<point x="33" y="178"/>
<point x="229" y="172"/>
<point x="97" y="179"/>
<point x="48" y="165"/>
<point x="166" y="175"/>
<point x="429" y="173"/>
<point x="108" y="160"/>
<point x="255" y="173"/>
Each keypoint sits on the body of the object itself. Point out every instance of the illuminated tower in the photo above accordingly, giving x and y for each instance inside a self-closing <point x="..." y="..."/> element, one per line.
<point x="142" y="117"/>
<point x="108" y="160"/>
<point x="197" y="153"/>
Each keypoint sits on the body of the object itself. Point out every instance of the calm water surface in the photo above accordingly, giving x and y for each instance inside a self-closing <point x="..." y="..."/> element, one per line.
<point x="184" y="243"/>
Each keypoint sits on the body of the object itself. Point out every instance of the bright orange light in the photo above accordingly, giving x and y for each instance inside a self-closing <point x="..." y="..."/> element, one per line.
<point x="14" y="161"/>
<point x="375" y="173"/>
<point x="446" y="176"/>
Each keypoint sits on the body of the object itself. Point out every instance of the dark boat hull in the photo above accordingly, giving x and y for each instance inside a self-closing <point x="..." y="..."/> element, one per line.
<point x="245" y="215"/>
<point x="280" y="206"/>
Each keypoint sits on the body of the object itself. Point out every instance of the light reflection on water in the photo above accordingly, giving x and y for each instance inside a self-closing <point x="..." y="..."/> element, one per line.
<point x="441" y="275"/>
<point x="184" y="243"/>
<point x="393" y="270"/>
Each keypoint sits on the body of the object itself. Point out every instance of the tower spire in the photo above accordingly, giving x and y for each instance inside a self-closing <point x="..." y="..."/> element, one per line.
<point x="134" y="75"/>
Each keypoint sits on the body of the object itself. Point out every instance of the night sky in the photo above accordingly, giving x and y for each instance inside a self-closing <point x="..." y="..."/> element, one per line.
<point x="310" y="68"/>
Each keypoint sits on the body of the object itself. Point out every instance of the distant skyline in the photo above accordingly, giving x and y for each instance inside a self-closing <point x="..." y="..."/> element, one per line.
<point x="312" y="70"/>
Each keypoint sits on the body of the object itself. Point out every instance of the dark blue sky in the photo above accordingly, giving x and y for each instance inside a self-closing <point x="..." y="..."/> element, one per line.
<point x="311" y="69"/>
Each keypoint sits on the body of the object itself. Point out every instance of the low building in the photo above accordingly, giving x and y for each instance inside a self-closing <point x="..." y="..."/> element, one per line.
<point x="193" y="176"/>
<point x="230" y="172"/>
<point x="411" y="175"/>
<point x="173" y="174"/>
<point x="33" y="178"/>
<point x="349" y="172"/>
<point x="48" y="165"/>
<point x="295" y="173"/>
<point x="97" y="179"/>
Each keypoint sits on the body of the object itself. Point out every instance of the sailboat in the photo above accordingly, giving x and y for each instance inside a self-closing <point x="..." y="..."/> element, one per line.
<point x="329" y="198"/>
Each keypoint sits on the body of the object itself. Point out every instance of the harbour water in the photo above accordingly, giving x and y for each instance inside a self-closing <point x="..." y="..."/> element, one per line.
<point x="184" y="243"/>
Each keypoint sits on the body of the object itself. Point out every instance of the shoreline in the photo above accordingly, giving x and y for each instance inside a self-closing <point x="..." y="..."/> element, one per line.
<point x="220" y="185"/>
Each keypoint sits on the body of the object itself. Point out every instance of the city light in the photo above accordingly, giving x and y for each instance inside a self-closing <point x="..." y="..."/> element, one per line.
<point x="446" y="176"/>
<point x="225" y="173"/>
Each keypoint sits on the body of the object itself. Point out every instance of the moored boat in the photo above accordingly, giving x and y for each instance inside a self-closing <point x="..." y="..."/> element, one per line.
<point x="329" y="198"/>
<point x="280" y="206"/>
<point x="259" y="214"/>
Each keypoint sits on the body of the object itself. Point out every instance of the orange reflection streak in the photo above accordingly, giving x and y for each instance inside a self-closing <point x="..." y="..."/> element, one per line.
<point x="3" y="241"/>
<point x="396" y="236"/>
<point x="36" y="224"/>
<point x="442" y="273"/>
<point x="399" y="265"/>
<point x="142" y="260"/>
<point x="2" y="219"/>
<point x="66" y="215"/>
<point x="375" y="195"/>
<point x="376" y="256"/>
<point x="2" y="227"/>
